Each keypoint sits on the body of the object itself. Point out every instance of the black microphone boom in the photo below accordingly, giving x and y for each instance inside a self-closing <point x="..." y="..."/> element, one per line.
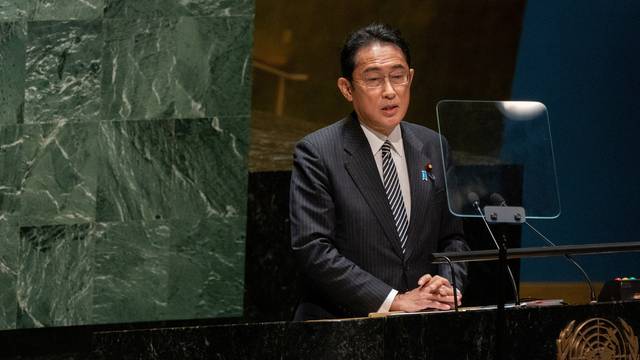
<point x="498" y="200"/>
<point x="592" y="294"/>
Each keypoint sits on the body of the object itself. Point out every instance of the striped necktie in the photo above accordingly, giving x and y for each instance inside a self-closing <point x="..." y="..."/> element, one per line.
<point x="392" y="188"/>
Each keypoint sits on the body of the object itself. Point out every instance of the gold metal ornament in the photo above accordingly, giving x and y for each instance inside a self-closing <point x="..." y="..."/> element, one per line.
<point x="596" y="339"/>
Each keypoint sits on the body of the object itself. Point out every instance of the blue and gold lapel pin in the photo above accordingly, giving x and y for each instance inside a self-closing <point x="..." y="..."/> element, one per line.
<point x="427" y="173"/>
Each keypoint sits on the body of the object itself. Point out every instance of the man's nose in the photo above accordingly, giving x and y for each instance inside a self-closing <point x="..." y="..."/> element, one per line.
<point x="388" y="91"/>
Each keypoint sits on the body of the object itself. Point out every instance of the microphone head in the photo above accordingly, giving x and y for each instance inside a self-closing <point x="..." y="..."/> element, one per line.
<point x="473" y="198"/>
<point x="497" y="199"/>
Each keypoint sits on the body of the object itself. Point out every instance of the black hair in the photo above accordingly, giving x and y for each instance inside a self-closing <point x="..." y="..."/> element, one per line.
<point x="364" y="36"/>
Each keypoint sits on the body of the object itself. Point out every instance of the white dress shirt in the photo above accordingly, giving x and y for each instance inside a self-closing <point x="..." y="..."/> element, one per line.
<point x="376" y="140"/>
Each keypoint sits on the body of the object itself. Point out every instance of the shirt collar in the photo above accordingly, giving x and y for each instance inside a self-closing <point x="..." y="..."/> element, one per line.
<point x="376" y="139"/>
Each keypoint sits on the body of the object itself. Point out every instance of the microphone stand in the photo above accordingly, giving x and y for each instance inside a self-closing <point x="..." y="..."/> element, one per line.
<point x="502" y="263"/>
<point x="502" y="260"/>
<point x="453" y="282"/>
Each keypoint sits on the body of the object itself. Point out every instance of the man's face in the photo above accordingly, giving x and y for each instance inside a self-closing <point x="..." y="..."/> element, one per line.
<point x="380" y="89"/>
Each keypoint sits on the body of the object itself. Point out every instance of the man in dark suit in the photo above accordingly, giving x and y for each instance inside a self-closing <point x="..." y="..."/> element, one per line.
<point x="368" y="204"/>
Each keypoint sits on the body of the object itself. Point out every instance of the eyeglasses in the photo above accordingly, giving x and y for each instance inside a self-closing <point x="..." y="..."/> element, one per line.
<point x="376" y="80"/>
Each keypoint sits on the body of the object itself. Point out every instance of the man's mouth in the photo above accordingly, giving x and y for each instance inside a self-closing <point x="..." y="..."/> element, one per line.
<point x="389" y="107"/>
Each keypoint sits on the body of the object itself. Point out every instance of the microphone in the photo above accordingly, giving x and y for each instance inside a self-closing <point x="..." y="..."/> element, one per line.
<point x="498" y="200"/>
<point x="474" y="199"/>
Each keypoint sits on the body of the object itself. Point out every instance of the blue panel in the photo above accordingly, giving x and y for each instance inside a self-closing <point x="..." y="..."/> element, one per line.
<point x="581" y="59"/>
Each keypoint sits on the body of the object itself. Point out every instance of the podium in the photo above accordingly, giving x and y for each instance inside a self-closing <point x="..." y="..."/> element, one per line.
<point x="535" y="333"/>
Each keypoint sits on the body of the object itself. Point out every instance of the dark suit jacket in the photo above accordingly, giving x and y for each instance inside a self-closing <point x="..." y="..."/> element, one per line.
<point x="342" y="229"/>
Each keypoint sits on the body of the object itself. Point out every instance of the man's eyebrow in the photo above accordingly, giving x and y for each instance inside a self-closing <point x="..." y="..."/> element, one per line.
<point x="372" y="69"/>
<point x="376" y="68"/>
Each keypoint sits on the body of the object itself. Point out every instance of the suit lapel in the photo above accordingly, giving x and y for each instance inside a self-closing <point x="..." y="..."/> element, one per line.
<point x="420" y="189"/>
<point x="362" y="168"/>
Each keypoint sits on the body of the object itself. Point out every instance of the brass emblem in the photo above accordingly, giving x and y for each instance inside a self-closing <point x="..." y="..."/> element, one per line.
<point x="598" y="338"/>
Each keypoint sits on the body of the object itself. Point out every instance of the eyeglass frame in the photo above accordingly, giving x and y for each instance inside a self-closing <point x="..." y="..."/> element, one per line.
<point x="383" y="80"/>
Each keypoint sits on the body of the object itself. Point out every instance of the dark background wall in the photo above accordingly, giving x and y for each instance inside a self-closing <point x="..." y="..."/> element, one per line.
<point x="581" y="59"/>
<point x="460" y="49"/>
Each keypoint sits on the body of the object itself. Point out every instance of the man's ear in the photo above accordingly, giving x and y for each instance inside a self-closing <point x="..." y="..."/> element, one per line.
<point x="344" y="86"/>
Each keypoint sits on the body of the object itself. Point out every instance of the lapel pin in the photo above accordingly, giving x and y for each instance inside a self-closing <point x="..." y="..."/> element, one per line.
<point x="427" y="172"/>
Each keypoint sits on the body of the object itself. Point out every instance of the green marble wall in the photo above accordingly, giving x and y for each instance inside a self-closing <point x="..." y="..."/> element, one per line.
<point x="123" y="148"/>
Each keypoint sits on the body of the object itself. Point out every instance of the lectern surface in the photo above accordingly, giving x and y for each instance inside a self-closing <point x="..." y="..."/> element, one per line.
<point x="538" y="332"/>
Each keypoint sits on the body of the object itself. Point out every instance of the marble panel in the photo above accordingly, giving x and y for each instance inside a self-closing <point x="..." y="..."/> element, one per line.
<point x="213" y="71"/>
<point x="103" y="219"/>
<point x="63" y="71"/>
<point x="11" y="10"/>
<point x="55" y="276"/>
<point x="12" y="71"/>
<point x="135" y="175"/>
<point x="65" y="9"/>
<point x="347" y="339"/>
<point x="532" y="334"/>
<point x="9" y="241"/>
<point x="422" y="336"/>
<point x="175" y="8"/>
<point x="356" y="339"/>
<point x="131" y="261"/>
<point x="179" y="343"/>
<point x="51" y="9"/>
<point x="59" y="173"/>
<point x="139" y="69"/>
<point x="12" y="165"/>
<point x="210" y="168"/>
<point x="206" y="268"/>
<point x="210" y="182"/>
<point x="176" y="68"/>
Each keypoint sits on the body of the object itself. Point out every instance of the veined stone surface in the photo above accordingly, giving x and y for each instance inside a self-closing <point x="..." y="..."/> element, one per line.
<point x="11" y="10"/>
<point x="124" y="129"/>
<point x="131" y="276"/>
<point x="63" y="71"/>
<point x="206" y="268"/>
<point x="172" y="8"/>
<point x="11" y="155"/>
<point x="8" y="272"/>
<point x="139" y="66"/>
<point x="134" y="176"/>
<point x="58" y="183"/>
<point x="210" y="167"/>
<point x="213" y="67"/>
<point x="51" y="9"/>
<point x="12" y="72"/>
<point x="168" y="68"/>
<point x="65" y="9"/>
<point x="55" y="275"/>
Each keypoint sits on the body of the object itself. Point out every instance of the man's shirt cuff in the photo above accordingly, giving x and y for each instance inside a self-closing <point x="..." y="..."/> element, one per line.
<point x="386" y="305"/>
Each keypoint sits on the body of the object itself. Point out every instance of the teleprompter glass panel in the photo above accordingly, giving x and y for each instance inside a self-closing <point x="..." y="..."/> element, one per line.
<point x="501" y="154"/>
